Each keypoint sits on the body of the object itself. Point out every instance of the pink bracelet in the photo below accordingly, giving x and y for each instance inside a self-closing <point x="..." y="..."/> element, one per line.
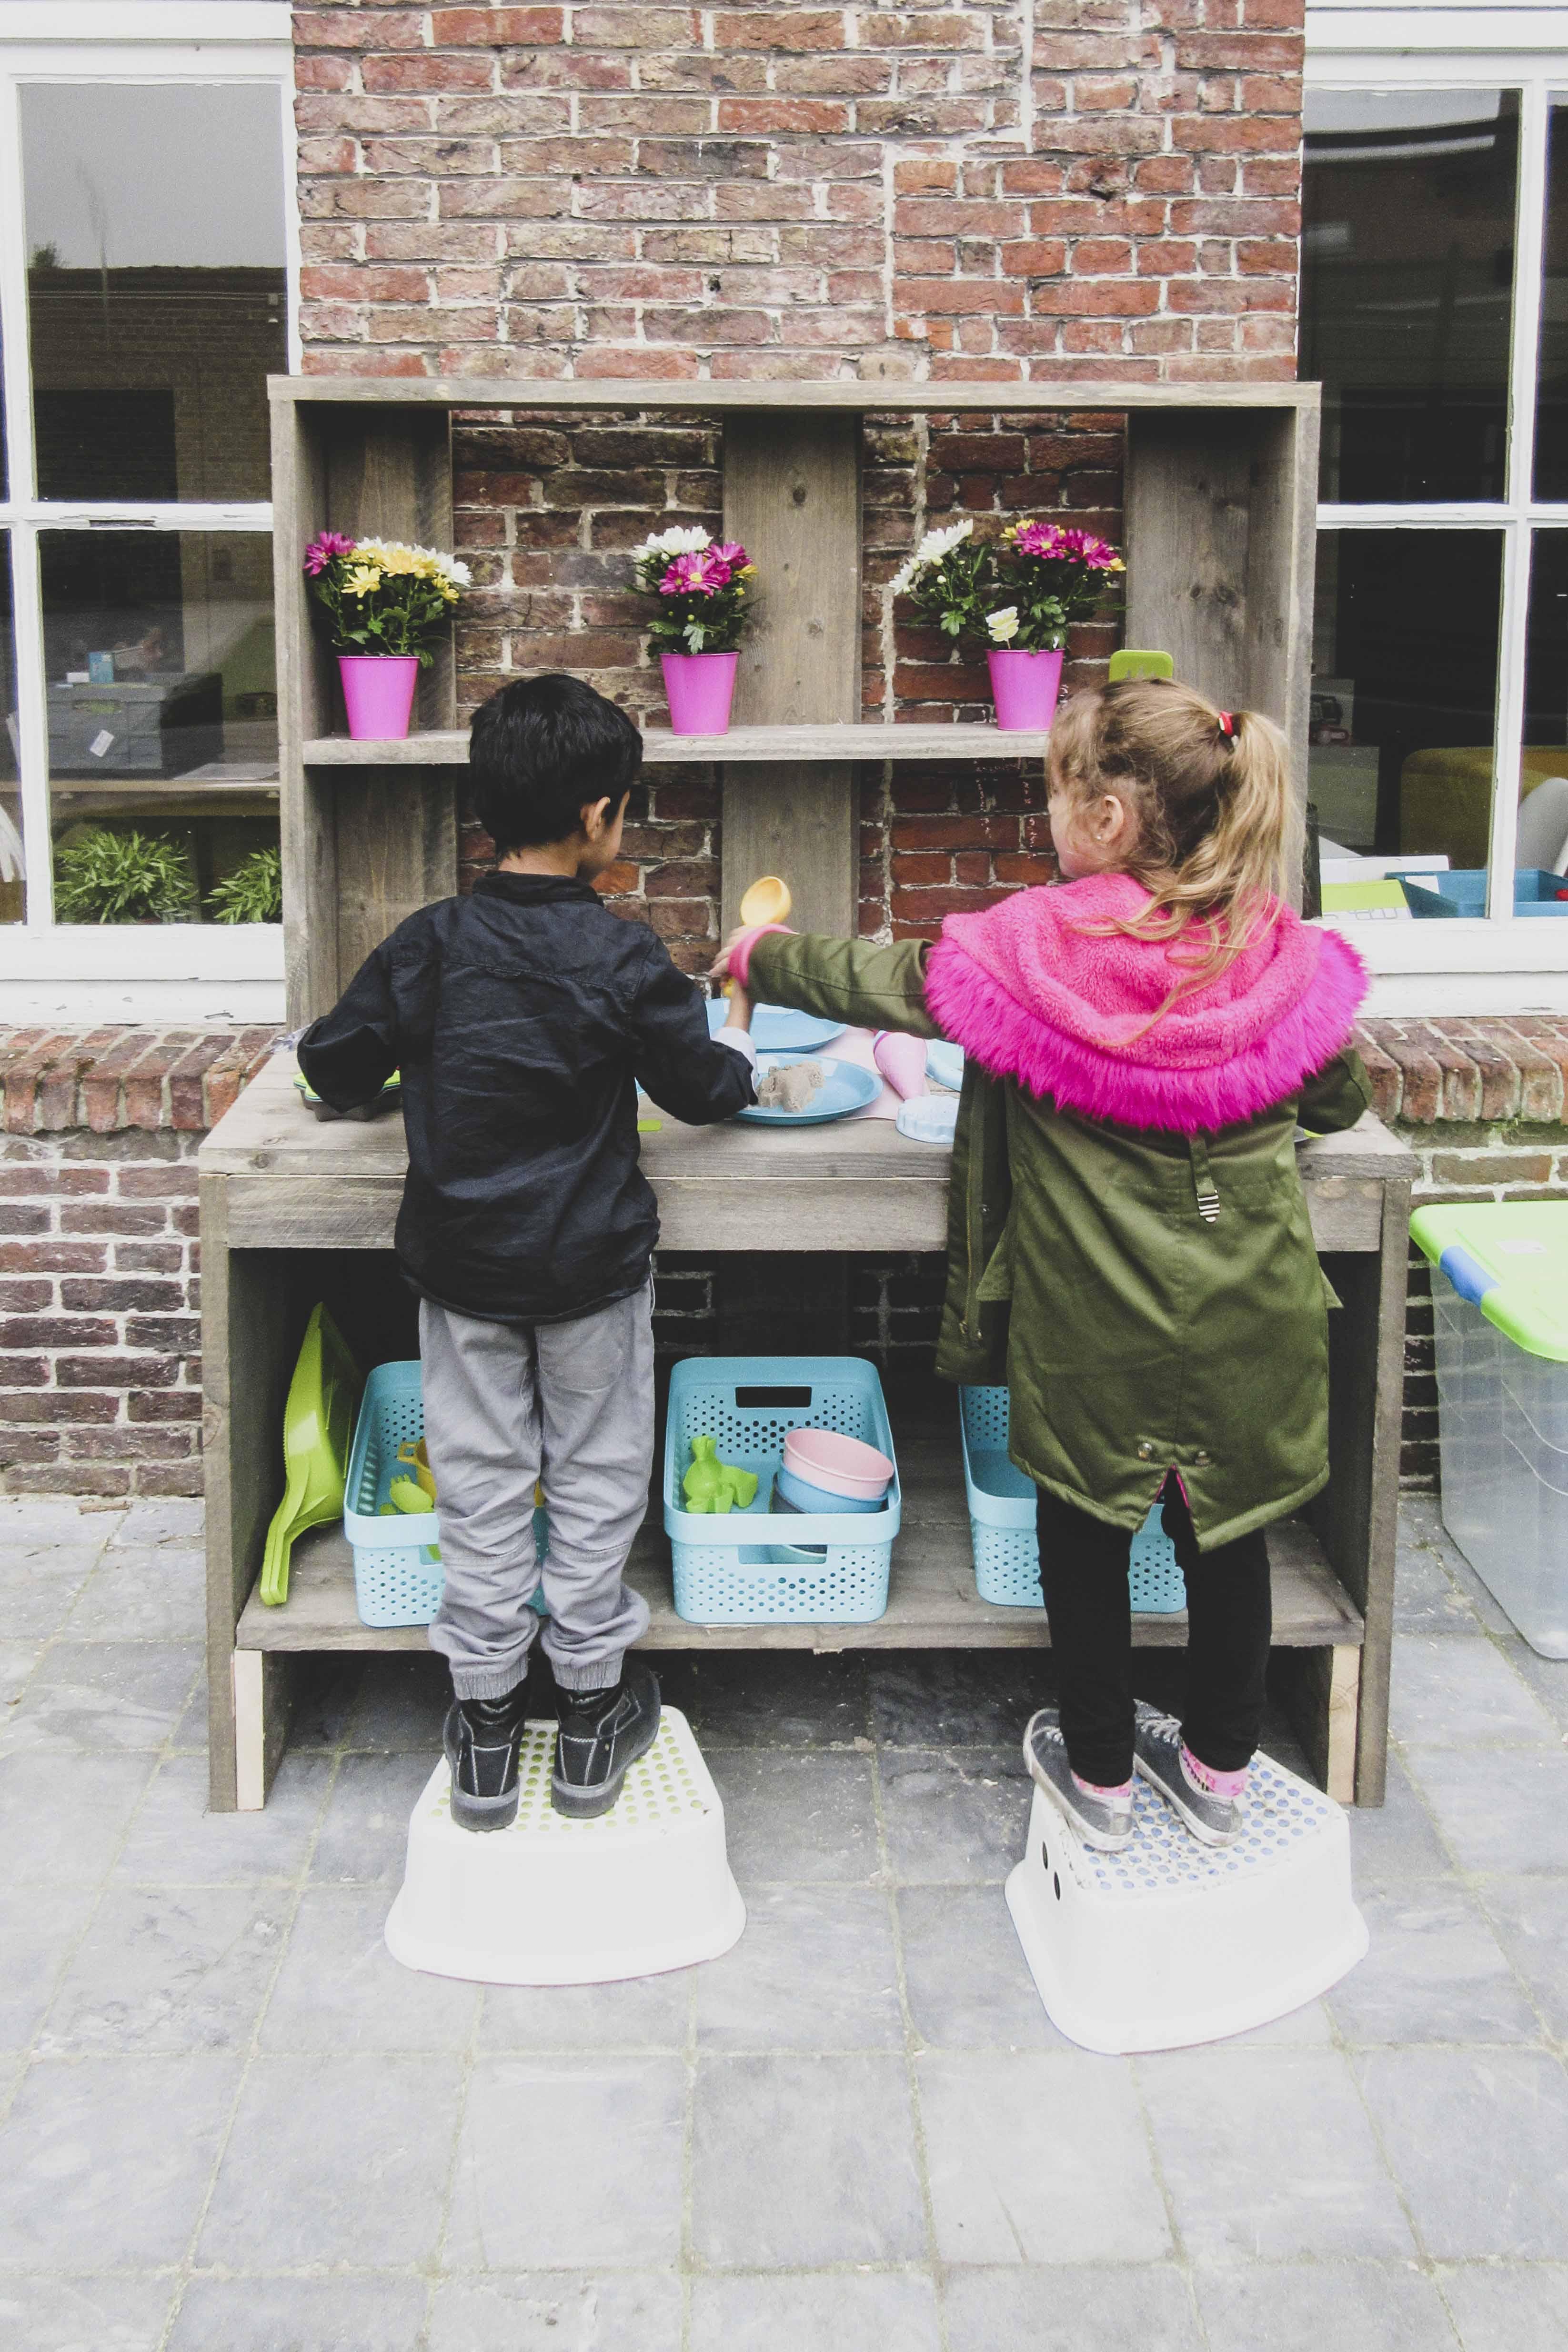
<point x="741" y="953"/>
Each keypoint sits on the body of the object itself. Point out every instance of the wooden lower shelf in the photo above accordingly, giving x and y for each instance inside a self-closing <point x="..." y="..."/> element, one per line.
<point x="739" y="745"/>
<point x="932" y="1603"/>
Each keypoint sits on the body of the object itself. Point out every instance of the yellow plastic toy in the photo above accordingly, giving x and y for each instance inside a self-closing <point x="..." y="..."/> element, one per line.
<point x="765" y="900"/>
<point x="411" y="1451"/>
<point x="407" y="1496"/>
<point x="713" y="1485"/>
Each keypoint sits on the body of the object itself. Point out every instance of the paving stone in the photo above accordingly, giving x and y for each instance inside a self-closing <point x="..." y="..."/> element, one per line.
<point x="62" y="1520"/>
<point x="1365" y="2306"/>
<point x="301" y="2315"/>
<point x="816" y="1969"/>
<point x="1269" y="2153"/>
<point x="98" y="1696"/>
<point x="956" y="1818"/>
<point x="1497" y="1809"/>
<point x="158" y="1970"/>
<point x="776" y="1698"/>
<point x="39" y="1929"/>
<point x="1395" y="1842"/>
<point x="1478" y="2140"/>
<point x="143" y="1595"/>
<point x="17" y="1660"/>
<point x="175" y="1842"/>
<point x="401" y="1702"/>
<point x="648" y="2013"/>
<point x="1460" y="1691"/>
<point x="797" y="1819"/>
<point x="957" y="1698"/>
<point x="833" y="2140"/>
<point x="364" y="1834"/>
<point x="1071" y="2309"/>
<point x="1529" y="1919"/>
<point x="894" y="2310"/>
<point x="62" y="1817"/>
<point x="339" y="1988"/>
<point x="39" y="1586"/>
<point x="1509" y="2306"/>
<point x="968" y="1984"/>
<point x="175" y="1519"/>
<point x="110" y="2158"/>
<point x="1427" y="1600"/>
<point x="1307" y="2028"/>
<point x="1038" y="2157"/>
<point x="1435" y="1973"/>
<point x="556" y="2311"/>
<point x="1547" y="1678"/>
<point x="569" y="2163"/>
<point x="334" y="2158"/>
<point x="84" y="2314"/>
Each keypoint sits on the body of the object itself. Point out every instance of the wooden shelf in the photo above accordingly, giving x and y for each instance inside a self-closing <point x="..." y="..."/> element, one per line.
<point x="1072" y="394"/>
<point x="932" y="1603"/>
<point x="742" y="745"/>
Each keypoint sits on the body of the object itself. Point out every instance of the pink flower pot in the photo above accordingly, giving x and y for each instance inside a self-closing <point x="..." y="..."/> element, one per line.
<point x="1024" y="687"/>
<point x="700" y="689"/>
<point x="378" y="694"/>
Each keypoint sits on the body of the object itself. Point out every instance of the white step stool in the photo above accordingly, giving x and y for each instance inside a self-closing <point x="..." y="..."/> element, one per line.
<point x="1170" y="1942"/>
<point x="549" y="1901"/>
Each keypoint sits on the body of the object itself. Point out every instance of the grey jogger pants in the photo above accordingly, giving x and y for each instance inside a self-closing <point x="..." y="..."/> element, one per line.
<point x="505" y="1405"/>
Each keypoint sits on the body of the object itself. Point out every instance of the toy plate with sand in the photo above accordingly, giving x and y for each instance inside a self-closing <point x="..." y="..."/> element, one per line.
<point x="844" y="1088"/>
<point x="777" y="1028"/>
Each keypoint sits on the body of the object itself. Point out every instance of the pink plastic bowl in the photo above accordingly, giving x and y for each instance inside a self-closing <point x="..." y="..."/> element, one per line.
<point x="839" y="1465"/>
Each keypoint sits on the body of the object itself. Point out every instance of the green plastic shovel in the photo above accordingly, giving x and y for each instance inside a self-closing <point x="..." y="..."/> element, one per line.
<point x="318" y="1430"/>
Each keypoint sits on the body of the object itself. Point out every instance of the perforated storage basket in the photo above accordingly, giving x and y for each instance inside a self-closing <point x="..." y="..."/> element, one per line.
<point x="1002" y="1528"/>
<point x="397" y="1559"/>
<point x="748" y="1404"/>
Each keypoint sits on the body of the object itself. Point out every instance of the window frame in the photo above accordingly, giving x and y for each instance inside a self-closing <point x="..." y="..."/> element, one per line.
<point x="1498" y="962"/>
<point x="179" y="973"/>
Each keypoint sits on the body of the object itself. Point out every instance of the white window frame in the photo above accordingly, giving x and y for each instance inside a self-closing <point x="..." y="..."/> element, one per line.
<point x="178" y="972"/>
<point x="1497" y="964"/>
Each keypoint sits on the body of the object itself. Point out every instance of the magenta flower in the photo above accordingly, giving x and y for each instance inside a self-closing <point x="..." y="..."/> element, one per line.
<point x="731" y="551"/>
<point x="702" y="573"/>
<point x="325" y="549"/>
<point x="1049" y="542"/>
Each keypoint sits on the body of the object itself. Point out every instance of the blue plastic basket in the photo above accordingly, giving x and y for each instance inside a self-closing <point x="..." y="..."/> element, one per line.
<point x="397" y="1559"/>
<point x="797" y="1565"/>
<point x="1002" y="1528"/>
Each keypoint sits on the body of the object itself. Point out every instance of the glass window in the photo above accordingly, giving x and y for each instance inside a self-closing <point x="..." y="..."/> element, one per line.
<point x="1405" y="663"/>
<point x="1543" y="838"/>
<point x="162" y="702"/>
<point x="156" y="288"/>
<point x="1406" y="288"/>
<point x="1552" y="371"/>
<point x="12" y="862"/>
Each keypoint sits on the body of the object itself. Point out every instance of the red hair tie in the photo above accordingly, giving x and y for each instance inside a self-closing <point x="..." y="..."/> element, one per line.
<point x="1228" y="725"/>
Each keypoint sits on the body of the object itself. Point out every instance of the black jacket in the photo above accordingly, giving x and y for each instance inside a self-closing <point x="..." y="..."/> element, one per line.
<point x="521" y="1020"/>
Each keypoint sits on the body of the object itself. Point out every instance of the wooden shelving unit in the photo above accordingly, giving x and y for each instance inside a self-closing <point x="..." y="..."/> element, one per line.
<point x="1219" y="506"/>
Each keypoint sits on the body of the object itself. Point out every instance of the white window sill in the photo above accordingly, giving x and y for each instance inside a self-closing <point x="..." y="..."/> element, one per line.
<point x="154" y="975"/>
<point x="1441" y="968"/>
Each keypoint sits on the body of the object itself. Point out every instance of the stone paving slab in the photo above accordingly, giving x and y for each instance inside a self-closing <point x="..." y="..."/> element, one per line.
<point x="229" y="2118"/>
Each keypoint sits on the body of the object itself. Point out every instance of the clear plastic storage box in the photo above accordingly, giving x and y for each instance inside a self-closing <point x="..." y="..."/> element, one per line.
<point x="1499" y="1297"/>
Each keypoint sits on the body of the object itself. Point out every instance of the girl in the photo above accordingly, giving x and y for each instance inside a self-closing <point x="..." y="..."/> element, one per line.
<point x="1128" y="1236"/>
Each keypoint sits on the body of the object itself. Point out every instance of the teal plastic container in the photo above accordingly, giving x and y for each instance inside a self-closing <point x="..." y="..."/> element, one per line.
<point x="760" y="1566"/>
<point x="1001" y="1530"/>
<point x="1463" y="892"/>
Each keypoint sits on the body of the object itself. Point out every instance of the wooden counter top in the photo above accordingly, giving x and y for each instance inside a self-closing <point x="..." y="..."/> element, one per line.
<point x="294" y="1181"/>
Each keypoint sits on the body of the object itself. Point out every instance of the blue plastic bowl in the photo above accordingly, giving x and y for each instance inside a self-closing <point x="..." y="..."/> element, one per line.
<point x="803" y="1498"/>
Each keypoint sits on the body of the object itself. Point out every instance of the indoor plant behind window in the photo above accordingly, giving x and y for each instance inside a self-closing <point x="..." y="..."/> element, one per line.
<point x="123" y="878"/>
<point x="699" y="616"/>
<point x="385" y="603"/>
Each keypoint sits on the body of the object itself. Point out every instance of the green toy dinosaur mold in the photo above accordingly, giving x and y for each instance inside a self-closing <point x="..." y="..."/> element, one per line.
<point x="713" y="1485"/>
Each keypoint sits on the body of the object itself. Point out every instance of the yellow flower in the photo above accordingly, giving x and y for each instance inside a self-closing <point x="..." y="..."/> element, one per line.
<point x="362" y="580"/>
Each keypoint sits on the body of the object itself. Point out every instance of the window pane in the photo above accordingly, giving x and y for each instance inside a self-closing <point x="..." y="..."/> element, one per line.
<point x="1543" y="842"/>
<point x="1552" y="374"/>
<point x="163" y="705"/>
<point x="1406" y="288"/>
<point x="156" y="291"/>
<point x="11" y="863"/>
<point x="1405" y="691"/>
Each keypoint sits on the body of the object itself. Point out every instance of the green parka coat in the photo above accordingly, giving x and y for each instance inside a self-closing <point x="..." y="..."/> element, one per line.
<point x="1135" y="1333"/>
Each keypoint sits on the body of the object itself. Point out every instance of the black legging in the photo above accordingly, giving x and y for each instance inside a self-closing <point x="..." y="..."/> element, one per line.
<point x="1083" y="1575"/>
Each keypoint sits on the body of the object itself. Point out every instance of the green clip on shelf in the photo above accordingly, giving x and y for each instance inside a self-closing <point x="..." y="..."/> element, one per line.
<point x="317" y="1428"/>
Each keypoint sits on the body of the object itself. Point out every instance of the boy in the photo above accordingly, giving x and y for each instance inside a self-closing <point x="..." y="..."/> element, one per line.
<point x="522" y="1019"/>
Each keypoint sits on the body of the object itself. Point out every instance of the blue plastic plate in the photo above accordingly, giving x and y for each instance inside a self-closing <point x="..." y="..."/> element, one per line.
<point x="777" y="1028"/>
<point x="844" y="1088"/>
<point x="944" y="1063"/>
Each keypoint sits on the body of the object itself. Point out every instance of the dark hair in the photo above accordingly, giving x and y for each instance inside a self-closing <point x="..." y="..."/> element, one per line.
<point x="538" y="750"/>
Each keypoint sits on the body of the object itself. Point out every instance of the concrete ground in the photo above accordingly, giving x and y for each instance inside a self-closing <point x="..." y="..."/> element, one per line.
<point x="232" y="2124"/>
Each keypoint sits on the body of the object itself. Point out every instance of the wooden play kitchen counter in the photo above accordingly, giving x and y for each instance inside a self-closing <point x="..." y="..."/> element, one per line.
<point x="277" y="1187"/>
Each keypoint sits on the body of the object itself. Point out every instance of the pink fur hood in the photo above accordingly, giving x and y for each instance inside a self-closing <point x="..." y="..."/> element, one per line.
<point x="1036" y="989"/>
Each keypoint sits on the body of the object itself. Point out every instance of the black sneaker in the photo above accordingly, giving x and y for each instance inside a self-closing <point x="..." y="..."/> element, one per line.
<point x="1104" y="1823"/>
<point x="483" y="1739"/>
<point x="602" y="1734"/>
<point x="1157" y="1758"/>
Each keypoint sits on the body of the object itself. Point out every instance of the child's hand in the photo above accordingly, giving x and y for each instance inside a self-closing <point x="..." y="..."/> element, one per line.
<point x="720" y="967"/>
<point x="740" y="1012"/>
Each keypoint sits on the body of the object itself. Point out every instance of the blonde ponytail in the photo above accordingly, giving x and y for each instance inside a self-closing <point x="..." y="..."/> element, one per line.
<point x="1217" y="831"/>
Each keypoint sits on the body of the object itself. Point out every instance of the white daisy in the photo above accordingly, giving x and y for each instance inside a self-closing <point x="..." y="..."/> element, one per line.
<point x="1002" y="626"/>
